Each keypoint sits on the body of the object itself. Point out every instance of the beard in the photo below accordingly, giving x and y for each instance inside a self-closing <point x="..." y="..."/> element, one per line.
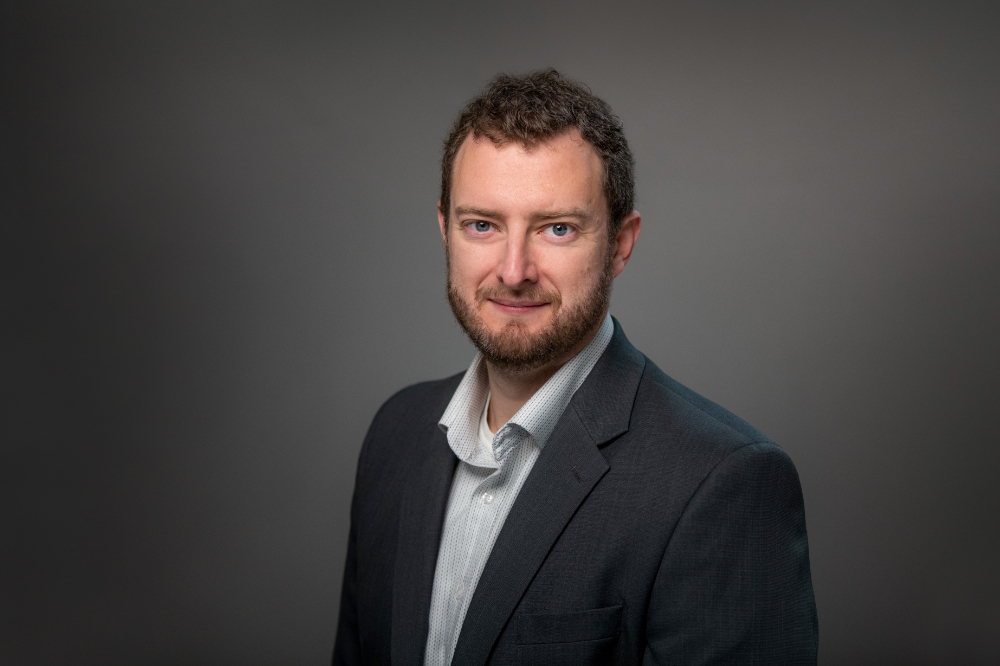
<point x="513" y="348"/>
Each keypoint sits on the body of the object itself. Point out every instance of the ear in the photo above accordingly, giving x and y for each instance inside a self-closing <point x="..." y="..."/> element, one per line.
<point x="443" y="225"/>
<point x="625" y="241"/>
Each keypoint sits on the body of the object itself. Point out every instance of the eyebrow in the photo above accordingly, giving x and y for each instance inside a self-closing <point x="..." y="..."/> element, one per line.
<point x="579" y="213"/>
<point x="472" y="210"/>
<point x="544" y="215"/>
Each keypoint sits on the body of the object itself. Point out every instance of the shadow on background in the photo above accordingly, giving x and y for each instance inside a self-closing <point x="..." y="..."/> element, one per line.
<point x="219" y="256"/>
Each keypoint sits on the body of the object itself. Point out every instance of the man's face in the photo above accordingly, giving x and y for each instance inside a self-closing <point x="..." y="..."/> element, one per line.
<point x="529" y="262"/>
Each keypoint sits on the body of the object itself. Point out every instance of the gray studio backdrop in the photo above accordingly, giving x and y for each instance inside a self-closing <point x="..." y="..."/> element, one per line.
<point x="219" y="256"/>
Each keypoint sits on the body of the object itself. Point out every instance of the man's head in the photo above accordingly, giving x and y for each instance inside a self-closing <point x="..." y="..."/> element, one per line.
<point x="535" y="178"/>
<point x="535" y="108"/>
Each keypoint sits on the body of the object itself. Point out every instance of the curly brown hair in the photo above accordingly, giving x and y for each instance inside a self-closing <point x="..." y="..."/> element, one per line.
<point x="534" y="108"/>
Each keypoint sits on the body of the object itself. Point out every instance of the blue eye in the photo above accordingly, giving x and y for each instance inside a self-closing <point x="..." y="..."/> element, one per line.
<point x="480" y="226"/>
<point x="559" y="229"/>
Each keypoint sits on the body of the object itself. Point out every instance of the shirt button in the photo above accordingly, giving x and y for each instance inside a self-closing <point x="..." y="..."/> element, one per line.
<point x="458" y="593"/>
<point x="487" y="498"/>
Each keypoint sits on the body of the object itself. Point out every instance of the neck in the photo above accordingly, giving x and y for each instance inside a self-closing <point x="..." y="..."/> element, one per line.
<point x="511" y="388"/>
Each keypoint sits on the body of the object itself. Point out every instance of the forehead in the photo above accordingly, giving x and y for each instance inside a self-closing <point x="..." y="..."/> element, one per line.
<point x="562" y="171"/>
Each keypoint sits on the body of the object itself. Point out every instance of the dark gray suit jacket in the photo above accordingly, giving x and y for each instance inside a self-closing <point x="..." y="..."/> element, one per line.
<point x="655" y="528"/>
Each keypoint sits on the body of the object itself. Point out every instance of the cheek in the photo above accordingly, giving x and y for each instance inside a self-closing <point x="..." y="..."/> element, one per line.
<point x="573" y="271"/>
<point x="470" y="265"/>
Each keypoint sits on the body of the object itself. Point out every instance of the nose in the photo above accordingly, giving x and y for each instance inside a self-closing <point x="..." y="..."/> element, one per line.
<point x="517" y="267"/>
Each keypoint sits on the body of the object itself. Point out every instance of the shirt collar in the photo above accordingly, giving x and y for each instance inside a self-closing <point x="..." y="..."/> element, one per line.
<point x="537" y="417"/>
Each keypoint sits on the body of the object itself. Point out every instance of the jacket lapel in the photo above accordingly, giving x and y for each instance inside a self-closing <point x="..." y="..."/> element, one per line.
<point x="421" y="515"/>
<point x="564" y="474"/>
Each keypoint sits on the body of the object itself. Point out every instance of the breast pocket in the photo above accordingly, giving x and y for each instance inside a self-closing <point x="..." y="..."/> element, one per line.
<point x="577" y="637"/>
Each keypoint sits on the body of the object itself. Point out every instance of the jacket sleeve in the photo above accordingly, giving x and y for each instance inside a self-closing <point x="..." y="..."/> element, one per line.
<point x="734" y="585"/>
<point x="347" y="646"/>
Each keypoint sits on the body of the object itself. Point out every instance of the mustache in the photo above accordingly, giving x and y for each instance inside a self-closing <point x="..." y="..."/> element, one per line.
<point x="528" y="293"/>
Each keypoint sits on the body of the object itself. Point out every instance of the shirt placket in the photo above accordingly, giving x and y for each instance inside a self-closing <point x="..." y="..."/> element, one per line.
<point x="482" y="516"/>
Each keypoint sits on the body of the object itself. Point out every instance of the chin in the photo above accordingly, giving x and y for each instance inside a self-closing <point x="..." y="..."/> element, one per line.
<point x="522" y="327"/>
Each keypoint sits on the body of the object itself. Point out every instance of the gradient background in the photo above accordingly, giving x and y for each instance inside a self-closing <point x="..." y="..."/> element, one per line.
<point x="219" y="255"/>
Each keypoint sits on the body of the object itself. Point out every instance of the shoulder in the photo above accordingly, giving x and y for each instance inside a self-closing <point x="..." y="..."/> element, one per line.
<point x="408" y="414"/>
<point x="425" y="401"/>
<point x="683" y="430"/>
<point x="689" y="410"/>
<point x="416" y="406"/>
<point x="633" y="403"/>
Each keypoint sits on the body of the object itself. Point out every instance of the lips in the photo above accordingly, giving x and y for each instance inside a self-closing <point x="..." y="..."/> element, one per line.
<point x="509" y="306"/>
<point x="510" y="303"/>
<point x="517" y="302"/>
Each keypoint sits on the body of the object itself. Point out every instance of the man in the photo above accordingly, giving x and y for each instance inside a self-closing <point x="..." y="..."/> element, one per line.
<point x="563" y="501"/>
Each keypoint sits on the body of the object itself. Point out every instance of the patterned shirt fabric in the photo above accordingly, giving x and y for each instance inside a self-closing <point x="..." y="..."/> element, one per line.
<point x="490" y="473"/>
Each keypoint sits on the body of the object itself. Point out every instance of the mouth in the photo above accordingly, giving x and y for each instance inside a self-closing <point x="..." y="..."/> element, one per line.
<point x="512" y="306"/>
